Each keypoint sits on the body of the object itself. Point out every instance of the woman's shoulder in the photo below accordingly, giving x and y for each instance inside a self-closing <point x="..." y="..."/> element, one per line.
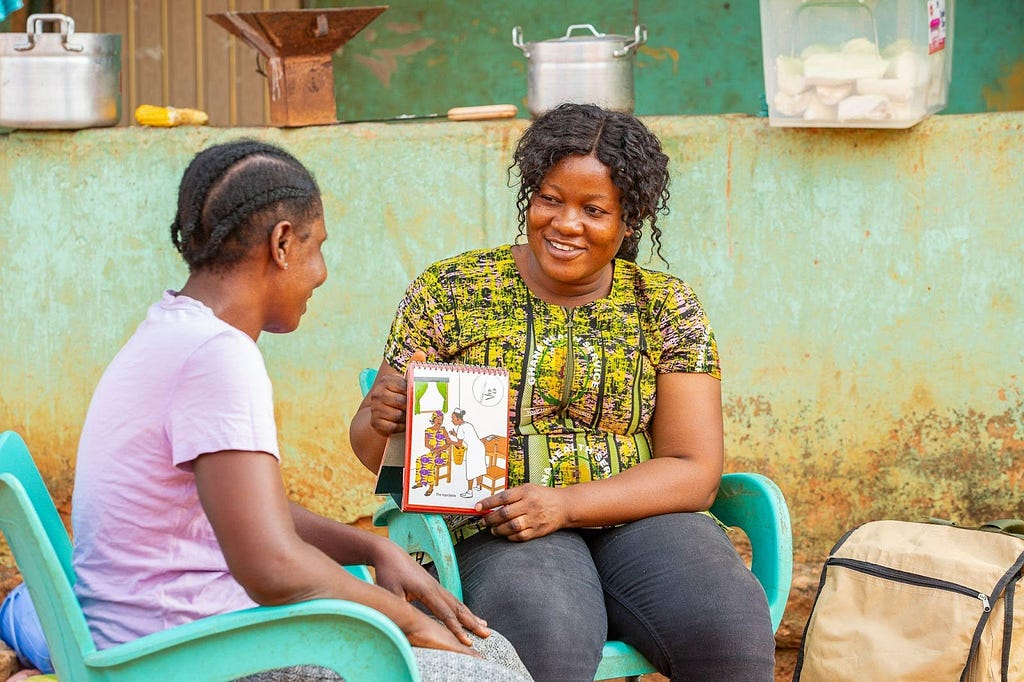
<point x="653" y="286"/>
<point x="474" y="261"/>
<point x="472" y="269"/>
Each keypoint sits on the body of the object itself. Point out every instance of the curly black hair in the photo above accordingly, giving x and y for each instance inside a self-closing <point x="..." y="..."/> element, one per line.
<point x="231" y="196"/>
<point x="639" y="168"/>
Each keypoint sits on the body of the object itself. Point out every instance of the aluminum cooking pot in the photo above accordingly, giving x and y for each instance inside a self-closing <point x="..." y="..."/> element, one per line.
<point x="595" y="68"/>
<point x="59" y="80"/>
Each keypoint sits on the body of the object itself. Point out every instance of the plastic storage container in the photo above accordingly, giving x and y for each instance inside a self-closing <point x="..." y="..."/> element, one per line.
<point x="856" y="63"/>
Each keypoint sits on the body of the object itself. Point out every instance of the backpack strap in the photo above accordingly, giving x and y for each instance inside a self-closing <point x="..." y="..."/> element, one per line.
<point x="1008" y="628"/>
<point x="1008" y="526"/>
<point x="1013" y="527"/>
<point x="999" y="590"/>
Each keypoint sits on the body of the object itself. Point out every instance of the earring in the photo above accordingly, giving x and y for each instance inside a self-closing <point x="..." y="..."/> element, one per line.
<point x="285" y="266"/>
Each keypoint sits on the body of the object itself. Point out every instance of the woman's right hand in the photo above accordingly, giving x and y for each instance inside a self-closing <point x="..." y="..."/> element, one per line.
<point x="387" y="398"/>
<point x="426" y="632"/>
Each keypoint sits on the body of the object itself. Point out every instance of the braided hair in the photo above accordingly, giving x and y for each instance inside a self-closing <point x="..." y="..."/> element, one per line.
<point x="231" y="196"/>
<point x="639" y="168"/>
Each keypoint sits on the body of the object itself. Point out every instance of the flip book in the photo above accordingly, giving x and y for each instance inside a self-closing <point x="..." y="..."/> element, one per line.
<point x="454" y="451"/>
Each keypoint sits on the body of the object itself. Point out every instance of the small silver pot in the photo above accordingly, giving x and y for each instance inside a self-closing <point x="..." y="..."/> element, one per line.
<point x="59" y="80"/>
<point x="594" y="69"/>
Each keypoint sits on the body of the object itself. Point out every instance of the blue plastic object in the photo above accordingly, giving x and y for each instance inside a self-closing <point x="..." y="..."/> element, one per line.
<point x="21" y="630"/>
<point x="354" y="640"/>
<point x="8" y="7"/>
<point x="748" y="501"/>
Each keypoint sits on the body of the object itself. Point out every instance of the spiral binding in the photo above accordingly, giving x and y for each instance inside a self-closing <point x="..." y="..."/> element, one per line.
<point x="456" y="367"/>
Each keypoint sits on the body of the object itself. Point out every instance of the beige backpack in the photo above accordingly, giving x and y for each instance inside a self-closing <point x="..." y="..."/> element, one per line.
<point x="919" y="602"/>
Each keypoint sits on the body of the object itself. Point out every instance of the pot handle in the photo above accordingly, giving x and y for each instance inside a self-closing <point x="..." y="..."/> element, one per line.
<point x="34" y="27"/>
<point x="639" y="38"/>
<point x="597" y="34"/>
<point x="517" y="40"/>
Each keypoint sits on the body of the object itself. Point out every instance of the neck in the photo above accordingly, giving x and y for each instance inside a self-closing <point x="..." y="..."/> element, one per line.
<point x="228" y="296"/>
<point x="567" y="295"/>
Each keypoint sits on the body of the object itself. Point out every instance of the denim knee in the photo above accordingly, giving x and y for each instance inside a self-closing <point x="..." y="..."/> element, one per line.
<point x="543" y="595"/>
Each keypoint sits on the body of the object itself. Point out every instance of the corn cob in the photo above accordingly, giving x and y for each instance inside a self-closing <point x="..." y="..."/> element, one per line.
<point x="167" y="117"/>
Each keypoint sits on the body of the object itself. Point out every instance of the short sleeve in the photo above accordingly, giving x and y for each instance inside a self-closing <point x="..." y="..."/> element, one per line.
<point x="688" y="342"/>
<point x="222" y="401"/>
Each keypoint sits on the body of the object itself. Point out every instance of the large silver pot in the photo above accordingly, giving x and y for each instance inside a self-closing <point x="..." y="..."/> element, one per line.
<point x="595" y="68"/>
<point x="59" y="80"/>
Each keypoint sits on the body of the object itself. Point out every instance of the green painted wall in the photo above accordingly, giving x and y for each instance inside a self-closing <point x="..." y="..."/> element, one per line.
<point x="865" y="287"/>
<point x="701" y="57"/>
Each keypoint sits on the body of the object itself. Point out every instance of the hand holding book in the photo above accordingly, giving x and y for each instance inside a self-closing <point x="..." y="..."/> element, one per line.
<point x="454" y="451"/>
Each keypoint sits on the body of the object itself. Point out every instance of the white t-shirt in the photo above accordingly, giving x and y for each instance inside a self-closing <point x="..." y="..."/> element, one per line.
<point x="146" y="558"/>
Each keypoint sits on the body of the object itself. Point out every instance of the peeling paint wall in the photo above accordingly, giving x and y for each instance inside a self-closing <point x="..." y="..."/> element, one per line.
<point x="865" y="287"/>
<point x="701" y="56"/>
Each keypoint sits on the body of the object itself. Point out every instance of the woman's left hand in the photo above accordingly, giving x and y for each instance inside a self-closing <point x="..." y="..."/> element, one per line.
<point x="524" y="512"/>
<point x="397" y="572"/>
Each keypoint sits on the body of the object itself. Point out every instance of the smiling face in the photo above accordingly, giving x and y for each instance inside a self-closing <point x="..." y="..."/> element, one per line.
<point x="574" y="229"/>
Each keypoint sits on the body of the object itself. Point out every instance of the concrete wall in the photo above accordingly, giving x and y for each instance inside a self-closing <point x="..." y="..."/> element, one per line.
<point x="865" y="287"/>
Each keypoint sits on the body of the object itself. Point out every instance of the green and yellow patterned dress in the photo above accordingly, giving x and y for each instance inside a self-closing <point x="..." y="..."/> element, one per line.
<point x="582" y="380"/>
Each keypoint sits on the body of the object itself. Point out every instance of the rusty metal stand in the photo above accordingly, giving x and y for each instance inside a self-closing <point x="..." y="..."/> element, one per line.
<point x="297" y="46"/>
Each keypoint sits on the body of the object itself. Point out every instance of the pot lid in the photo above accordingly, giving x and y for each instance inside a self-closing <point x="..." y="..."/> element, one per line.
<point x="595" y="35"/>
<point x="623" y="44"/>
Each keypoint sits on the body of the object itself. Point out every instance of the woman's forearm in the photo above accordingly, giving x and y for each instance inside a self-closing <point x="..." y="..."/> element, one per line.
<point x="342" y="543"/>
<point x="662" y="485"/>
<point x="367" y="444"/>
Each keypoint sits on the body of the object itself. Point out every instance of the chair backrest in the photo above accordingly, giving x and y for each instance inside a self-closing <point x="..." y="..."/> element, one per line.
<point x="16" y="460"/>
<point x="42" y="551"/>
<point x="366" y="378"/>
<point x="754" y="503"/>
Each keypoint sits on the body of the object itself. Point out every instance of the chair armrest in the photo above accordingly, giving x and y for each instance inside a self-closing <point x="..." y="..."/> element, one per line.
<point x="354" y="640"/>
<point x="360" y="571"/>
<point x="427" y="533"/>
<point x="754" y="503"/>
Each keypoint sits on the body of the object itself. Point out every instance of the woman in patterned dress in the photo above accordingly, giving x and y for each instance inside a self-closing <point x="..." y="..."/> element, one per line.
<point x="616" y="435"/>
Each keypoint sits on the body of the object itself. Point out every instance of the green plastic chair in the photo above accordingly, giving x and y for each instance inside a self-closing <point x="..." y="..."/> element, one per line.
<point x="357" y="642"/>
<point x="748" y="501"/>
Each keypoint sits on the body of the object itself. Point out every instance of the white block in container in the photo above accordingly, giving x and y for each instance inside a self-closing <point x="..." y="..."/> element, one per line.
<point x="895" y="89"/>
<point x="864" y="63"/>
<point x="840" y="68"/>
<point x="864" y="108"/>
<point x="832" y="95"/>
<point x="818" y="111"/>
<point x="791" y="105"/>
<point x="790" y="71"/>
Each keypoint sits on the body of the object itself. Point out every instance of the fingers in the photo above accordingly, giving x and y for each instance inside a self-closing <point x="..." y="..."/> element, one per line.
<point x="433" y="635"/>
<point x="471" y="621"/>
<point x="454" y="625"/>
<point x="456" y="616"/>
<point x="418" y="356"/>
<point x="506" y="522"/>
<point x="494" y="501"/>
<point x="523" y="513"/>
<point x="387" y="401"/>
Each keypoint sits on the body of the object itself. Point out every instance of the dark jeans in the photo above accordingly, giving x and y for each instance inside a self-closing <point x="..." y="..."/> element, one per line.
<point x="673" y="586"/>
